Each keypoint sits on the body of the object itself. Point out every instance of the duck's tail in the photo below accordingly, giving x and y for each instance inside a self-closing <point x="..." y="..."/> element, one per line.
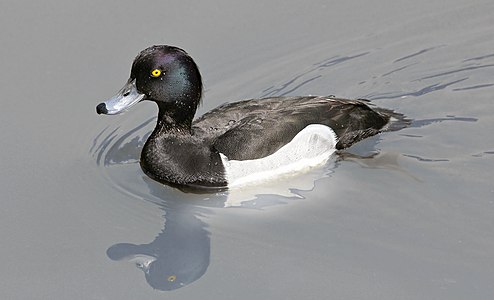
<point x="397" y="121"/>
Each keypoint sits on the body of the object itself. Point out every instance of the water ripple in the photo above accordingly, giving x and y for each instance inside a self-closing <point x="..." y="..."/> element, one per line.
<point x="426" y="90"/>
<point x="425" y="122"/>
<point x="457" y="71"/>
<point x="479" y="57"/>
<point x="415" y="54"/>
<point x="474" y="87"/>
<point x="292" y="84"/>
<point x="397" y="70"/>
<point x="426" y="159"/>
<point x="337" y="60"/>
<point x="482" y="154"/>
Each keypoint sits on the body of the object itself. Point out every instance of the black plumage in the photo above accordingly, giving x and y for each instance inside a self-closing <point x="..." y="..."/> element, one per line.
<point x="184" y="152"/>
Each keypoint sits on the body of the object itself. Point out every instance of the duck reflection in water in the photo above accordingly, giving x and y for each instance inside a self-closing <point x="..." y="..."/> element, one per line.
<point x="178" y="256"/>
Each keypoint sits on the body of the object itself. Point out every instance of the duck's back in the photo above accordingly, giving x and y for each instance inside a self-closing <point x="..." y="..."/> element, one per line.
<point x="253" y="129"/>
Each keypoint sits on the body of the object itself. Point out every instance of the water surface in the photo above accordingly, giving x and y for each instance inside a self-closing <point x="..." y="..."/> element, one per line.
<point x="403" y="215"/>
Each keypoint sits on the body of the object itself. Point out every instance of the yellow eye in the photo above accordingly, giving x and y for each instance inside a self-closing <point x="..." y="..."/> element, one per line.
<point x="156" y="72"/>
<point x="172" y="278"/>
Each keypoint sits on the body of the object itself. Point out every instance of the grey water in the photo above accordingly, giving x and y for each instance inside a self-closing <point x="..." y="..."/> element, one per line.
<point x="402" y="215"/>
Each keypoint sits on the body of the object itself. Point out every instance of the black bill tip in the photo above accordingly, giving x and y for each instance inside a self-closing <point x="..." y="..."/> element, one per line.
<point x="101" y="109"/>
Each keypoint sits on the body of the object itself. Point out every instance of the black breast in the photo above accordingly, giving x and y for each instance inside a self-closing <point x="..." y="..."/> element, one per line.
<point x="182" y="160"/>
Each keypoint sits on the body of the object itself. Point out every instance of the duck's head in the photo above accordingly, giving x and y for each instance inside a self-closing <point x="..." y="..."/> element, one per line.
<point x="164" y="74"/>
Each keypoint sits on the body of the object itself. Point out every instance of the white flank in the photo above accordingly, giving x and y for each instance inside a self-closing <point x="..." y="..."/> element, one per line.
<point x="311" y="147"/>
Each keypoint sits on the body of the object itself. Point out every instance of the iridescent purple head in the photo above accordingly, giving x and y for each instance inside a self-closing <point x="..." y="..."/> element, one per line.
<point x="164" y="74"/>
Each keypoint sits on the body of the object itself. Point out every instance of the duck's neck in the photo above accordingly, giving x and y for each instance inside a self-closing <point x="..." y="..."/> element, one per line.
<point x="173" y="119"/>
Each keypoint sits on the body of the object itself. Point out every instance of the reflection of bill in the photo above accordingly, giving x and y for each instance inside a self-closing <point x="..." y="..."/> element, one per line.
<point x="177" y="257"/>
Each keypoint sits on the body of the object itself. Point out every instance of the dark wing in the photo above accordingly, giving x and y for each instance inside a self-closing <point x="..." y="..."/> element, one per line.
<point x="253" y="129"/>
